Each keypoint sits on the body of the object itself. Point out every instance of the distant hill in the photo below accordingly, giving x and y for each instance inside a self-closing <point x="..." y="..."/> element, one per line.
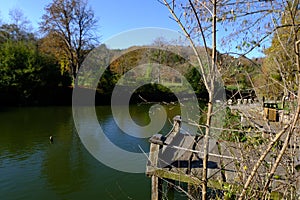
<point x="234" y="71"/>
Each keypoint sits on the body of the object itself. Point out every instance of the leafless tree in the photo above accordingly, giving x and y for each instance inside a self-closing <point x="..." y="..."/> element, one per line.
<point x="18" y="18"/>
<point x="249" y="24"/>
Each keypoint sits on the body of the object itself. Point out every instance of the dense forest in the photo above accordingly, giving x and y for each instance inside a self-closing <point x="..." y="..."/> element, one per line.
<point x="29" y="75"/>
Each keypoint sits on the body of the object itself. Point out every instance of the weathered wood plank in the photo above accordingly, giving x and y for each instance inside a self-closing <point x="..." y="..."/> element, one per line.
<point x="156" y="191"/>
<point x="181" y="177"/>
<point x="153" y="157"/>
<point x="178" y="157"/>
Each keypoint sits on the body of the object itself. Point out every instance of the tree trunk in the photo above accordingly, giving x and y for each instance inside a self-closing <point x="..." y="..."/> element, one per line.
<point x="211" y="77"/>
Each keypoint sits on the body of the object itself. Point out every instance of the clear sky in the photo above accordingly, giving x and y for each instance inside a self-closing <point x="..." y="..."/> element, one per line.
<point x="115" y="16"/>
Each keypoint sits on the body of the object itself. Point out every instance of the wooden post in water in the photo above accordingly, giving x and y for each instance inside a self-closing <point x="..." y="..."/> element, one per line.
<point x="156" y="191"/>
<point x="157" y="141"/>
<point x="156" y="182"/>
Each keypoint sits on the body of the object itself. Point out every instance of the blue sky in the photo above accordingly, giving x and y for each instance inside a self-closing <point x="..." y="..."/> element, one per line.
<point x="114" y="16"/>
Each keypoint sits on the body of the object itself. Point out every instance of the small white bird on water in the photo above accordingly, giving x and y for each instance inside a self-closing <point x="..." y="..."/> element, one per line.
<point x="51" y="138"/>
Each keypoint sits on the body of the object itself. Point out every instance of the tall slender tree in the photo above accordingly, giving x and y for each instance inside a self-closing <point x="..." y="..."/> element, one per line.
<point x="72" y="24"/>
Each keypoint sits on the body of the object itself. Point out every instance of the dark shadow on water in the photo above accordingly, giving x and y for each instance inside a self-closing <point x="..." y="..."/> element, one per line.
<point x="7" y="109"/>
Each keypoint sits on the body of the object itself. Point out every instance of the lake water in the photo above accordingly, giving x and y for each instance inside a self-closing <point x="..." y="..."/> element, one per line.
<point x="33" y="168"/>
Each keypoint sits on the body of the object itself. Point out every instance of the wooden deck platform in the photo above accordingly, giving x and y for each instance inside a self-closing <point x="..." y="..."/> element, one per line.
<point x="178" y="157"/>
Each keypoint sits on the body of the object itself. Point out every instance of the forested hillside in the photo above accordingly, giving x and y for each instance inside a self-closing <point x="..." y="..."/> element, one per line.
<point x="40" y="69"/>
<point x="32" y="73"/>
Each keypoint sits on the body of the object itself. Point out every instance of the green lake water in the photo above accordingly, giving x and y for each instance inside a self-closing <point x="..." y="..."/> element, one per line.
<point x="33" y="168"/>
